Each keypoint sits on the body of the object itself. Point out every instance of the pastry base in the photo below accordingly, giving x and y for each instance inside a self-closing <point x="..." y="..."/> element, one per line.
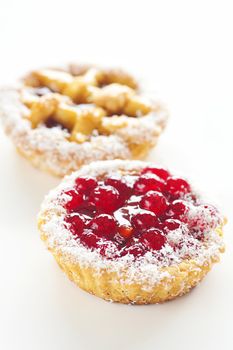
<point x="67" y="166"/>
<point x="107" y="285"/>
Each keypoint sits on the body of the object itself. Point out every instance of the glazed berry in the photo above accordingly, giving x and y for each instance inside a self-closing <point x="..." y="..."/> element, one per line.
<point x="75" y="201"/>
<point x="204" y="220"/>
<point x="90" y="240"/>
<point x="125" y="231"/>
<point x="123" y="189"/>
<point x="85" y="185"/>
<point x="153" y="239"/>
<point x="171" y="224"/>
<point x="178" y="208"/>
<point x="134" y="248"/>
<point x="120" y="240"/>
<point x="103" y="225"/>
<point x="155" y="202"/>
<point x="160" y="172"/>
<point x="108" y="250"/>
<point x="177" y="187"/>
<point x="77" y="223"/>
<point x="198" y="234"/>
<point x="148" y="182"/>
<point x="105" y="198"/>
<point x="143" y="221"/>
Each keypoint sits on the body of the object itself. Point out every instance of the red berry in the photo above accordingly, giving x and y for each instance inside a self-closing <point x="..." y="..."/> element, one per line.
<point x="198" y="234"/>
<point x="148" y="182"/>
<point x="160" y="172"/>
<point x="153" y="239"/>
<point x="77" y="223"/>
<point x="203" y="218"/>
<point x="120" y="240"/>
<point x="75" y="201"/>
<point x="178" y="208"/>
<point x="105" y="198"/>
<point x="108" y="250"/>
<point x="171" y="224"/>
<point x="177" y="187"/>
<point x="143" y="221"/>
<point x="136" y="249"/>
<point x="90" y="240"/>
<point x="103" y="225"/>
<point x="125" y="231"/>
<point x="123" y="189"/>
<point x="155" y="202"/>
<point x="84" y="185"/>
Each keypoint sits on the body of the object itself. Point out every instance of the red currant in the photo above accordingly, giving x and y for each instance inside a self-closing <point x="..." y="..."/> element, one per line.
<point x="75" y="201"/>
<point x="108" y="250"/>
<point x="125" y="231"/>
<point x="143" y="221"/>
<point x="77" y="223"/>
<point x="148" y="182"/>
<point x="90" y="240"/>
<point x="85" y="185"/>
<point x="178" y="208"/>
<point x="171" y="224"/>
<point x="103" y="225"/>
<point x="155" y="202"/>
<point x="153" y="239"/>
<point x="136" y="249"/>
<point x="160" y="172"/>
<point x="177" y="187"/>
<point x="105" y="198"/>
<point x="123" y="189"/>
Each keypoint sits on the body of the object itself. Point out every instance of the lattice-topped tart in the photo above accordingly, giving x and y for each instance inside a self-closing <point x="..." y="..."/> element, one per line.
<point x="62" y="119"/>
<point x="131" y="232"/>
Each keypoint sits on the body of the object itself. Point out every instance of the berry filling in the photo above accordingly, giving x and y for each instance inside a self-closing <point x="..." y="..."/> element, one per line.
<point x="105" y="199"/>
<point x="85" y="185"/>
<point x="137" y="214"/>
<point x="103" y="225"/>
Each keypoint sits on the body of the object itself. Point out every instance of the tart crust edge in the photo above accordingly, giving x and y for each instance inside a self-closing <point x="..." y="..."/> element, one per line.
<point x="179" y="280"/>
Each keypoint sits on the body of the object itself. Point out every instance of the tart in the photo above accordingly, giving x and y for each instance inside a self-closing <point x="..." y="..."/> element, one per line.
<point x="60" y="119"/>
<point x="130" y="232"/>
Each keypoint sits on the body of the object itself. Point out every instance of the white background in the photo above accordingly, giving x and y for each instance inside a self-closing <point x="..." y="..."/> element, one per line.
<point x="183" y="51"/>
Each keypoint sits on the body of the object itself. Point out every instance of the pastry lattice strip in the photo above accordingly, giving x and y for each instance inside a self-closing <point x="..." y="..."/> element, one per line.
<point x="81" y="103"/>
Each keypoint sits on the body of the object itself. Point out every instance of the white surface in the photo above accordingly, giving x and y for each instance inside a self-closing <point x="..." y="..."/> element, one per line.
<point x="182" y="49"/>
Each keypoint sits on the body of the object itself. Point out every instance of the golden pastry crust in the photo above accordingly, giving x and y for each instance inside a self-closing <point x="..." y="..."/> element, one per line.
<point x="107" y="285"/>
<point x="121" y="281"/>
<point x="99" y="115"/>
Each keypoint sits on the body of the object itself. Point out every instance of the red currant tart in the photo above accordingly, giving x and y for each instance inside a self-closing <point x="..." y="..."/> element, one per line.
<point x="131" y="232"/>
